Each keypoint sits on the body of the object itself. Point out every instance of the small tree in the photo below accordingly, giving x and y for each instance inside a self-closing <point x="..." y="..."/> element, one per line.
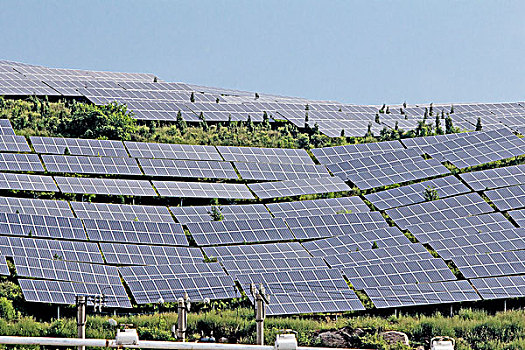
<point x="306" y="120"/>
<point x="452" y="109"/>
<point x="382" y="110"/>
<point x="204" y="124"/>
<point x="369" y="130"/>
<point x="374" y="245"/>
<point x="377" y="120"/>
<point x="431" y="194"/>
<point x="405" y="104"/>
<point x="387" y="110"/>
<point x="216" y="213"/>
<point x="478" y="124"/>
<point x="256" y="96"/>
<point x="181" y="123"/>
<point x="217" y="100"/>
<point x="431" y="110"/>
<point x="439" y="130"/>
<point x="449" y="127"/>
<point x="342" y="132"/>
<point x="67" y="152"/>
<point x="192" y="97"/>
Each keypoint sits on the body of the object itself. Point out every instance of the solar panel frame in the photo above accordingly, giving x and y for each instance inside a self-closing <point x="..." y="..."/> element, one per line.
<point x="6" y="128"/>
<point x="172" y="151"/>
<point x="27" y="182"/>
<point x="20" y="162"/>
<point x="265" y="155"/>
<point x="202" y="190"/>
<point x="495" y="178"/>
<point x="503" y="263"/>
<point x="337" y="154"/>
<point x="278" y="171"/>
<point x="41" y="226"/>
<point x="35" y="206"/>
<point x="13" y="143"/>
<point x="80" y="147"/>
<point x="507" y="198"/>
<point x="504" y="287"/>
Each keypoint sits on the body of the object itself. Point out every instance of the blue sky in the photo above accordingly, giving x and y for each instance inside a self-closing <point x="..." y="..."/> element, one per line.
<point x="363" y="52"/>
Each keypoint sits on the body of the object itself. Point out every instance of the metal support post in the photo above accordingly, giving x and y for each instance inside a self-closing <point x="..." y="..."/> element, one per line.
<point x="260" y="311"/>
<point x="504" y="305"/>
<point x="81" y="319"/>
<point x="184" y="305"/>
<point x="58" y="312"/>
<point x="451" y="310"/>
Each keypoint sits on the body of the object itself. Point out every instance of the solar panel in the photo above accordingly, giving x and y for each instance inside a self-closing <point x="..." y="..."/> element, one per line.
<point x="172" y="151"/>
<point x="318" y="207"/>
<point x="265" y="155"/>
<point x="367" y="239"/>
<point x="304" y="291"/>
<point x="449" y="228"/>
<point x="274" y="172"/>
<point x="121" y="212"/>
<point x="421" y="142"/>
<point x="13" y="143"/>
<point x="415" y="193"/>
<point x="500" y="287"/>
<point x="495" y="178"/>
<point x="496" y="241"/>
<point x="66" y="271"/>
<point x="188" y="168"/>
<point x="237" y="267"/>
<point x="20" y="162"/>
<point x="131" y="254"/>
<point x="145" y="232"/>
<point x="390" y="274"/>
<point x="18" y="86"/>
<point x="335" y="225"/>
<point x="506" y="198"/>
<point x="185" y="215"/>
<point x="41" y="226"/>
<point x="27" y="182"/>
<point x="404" y="252"/>
<point x="137" y="273"/>
<point x="65" y="292"/>
<point x="202" y="190"/>
<point x="171" y="289"/>
<point x="298" y="187"/>
<point x="518" y="216"/>
<point x="491" y="264"/>
<point x="105" y="186"/>
<point x="422" y="294"/>
<point x="82" y="147"/>
<point x="32" y="206"/>
<point x="337" y="154"/>
<point x="51" y="249"/>
<point x="91" y="165"/>
<point x="257" y="251"/>
<point x="239" y="231"/>
<point x="404" y="171"/>
<point x="6" y="128"/>
<point x="443" y="209"/>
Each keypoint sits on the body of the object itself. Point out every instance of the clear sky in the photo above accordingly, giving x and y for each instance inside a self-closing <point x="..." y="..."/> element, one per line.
<point x="363" y="52"/>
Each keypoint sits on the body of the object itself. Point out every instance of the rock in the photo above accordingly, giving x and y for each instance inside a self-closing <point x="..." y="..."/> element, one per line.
<point x="341" y="338"/>
<point x="394" y="337"/>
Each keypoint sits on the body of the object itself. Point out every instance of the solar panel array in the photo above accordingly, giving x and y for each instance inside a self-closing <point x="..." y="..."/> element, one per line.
<point x="296" y="249"/>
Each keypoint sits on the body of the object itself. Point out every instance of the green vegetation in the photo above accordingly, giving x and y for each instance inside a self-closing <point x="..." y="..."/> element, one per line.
<point x="431" y="194"/>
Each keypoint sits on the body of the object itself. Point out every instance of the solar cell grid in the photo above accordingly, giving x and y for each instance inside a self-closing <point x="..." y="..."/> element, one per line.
<point x="507" y="198"/>
<point x="318" y="207"/>
<point x="277" y="171"/>
<point x="421" y="142"/>
<point x="257" y="251"/>
<point x="335" y="224"/>
<point x="404" y="252"/>
<point x="296" y="292"/>
<point x="13" y="143"/>
<point x="500" y="287"/>
<point x="239" y="231"/>
<point x="172" y="151"/>
<point x="66" y="271"/>
<point x="41" y="226"/>
<point x="436" y="230"/>
<point x="518" y="216"/>
<point x="145" y="232"/>
<point x="6" y="128"/>
<point x="4" y="269"/>
<point x="188" y="168"/>
<point x="105" y="186"/>
<point x="202" y="190"/>
<point x="298" y="187"/>
<point x="415" y="193"/>
<point x="121" y="212"/>
<point x="91" y="165"/>
<point x="443" y="209"/>
<point x="27" y="182"/>
<point x="51" y="249"/>
<point x="65" y="292"/>
<point x="237" y="267"/>
<point x="337" y="154"/>
<point x="83" y="147"/>
<point x="185" y="215"/>
<point x="137" y="273"/>
<point x="389" y="274"/>
<point x="408" y="170"/>
<point x="20" y="162"/>
<point x="510" y="239"/>
<point x="367" y="239"/>
<point x="130" y="254"/>
<point x="265" y="155"/>
<point x="491" y="264"/>
<point x="197" y="288"/>
<point x="494" y="178"/>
